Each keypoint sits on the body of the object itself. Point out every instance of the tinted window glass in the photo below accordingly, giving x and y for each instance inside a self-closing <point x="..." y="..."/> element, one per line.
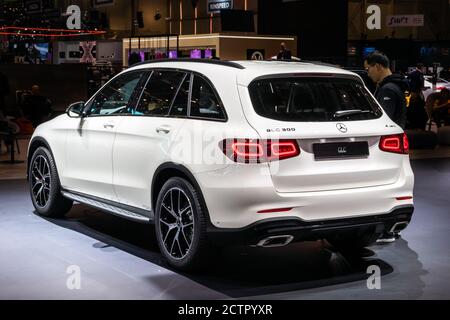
<point x="204" y="102"/>
<point x="312" y="99"/>
<point x="115" y="97"/>
<point x="159" y="92"/>
<point x="180" y="104"/>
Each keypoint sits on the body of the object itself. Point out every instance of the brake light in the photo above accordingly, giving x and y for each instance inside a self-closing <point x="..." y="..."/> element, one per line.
<point x="439" y="88"/>
<point x="256" y="150"/>
<point x="396" y="143"/>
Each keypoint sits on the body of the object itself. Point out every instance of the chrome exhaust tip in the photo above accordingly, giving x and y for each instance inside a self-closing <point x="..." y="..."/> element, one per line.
<point x="399" y="226"/>
<point x="275" y="241"/>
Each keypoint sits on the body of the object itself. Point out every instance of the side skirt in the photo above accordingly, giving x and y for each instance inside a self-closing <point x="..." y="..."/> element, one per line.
<point x="118" y="209"/>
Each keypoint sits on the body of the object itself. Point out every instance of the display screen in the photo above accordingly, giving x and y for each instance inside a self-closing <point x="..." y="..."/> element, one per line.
<point x="208" y="53"/>
<point x="173" y="54"/>
<point x="368" y="50"/>
<point x="196" y="54"/>
<point x="42" y="48"/>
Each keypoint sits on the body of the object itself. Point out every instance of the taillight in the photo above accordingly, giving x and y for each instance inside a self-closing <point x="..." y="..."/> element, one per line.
<point x="439" y="88"/>
<point x="396" y="143"/>
<point x="256" y="150"/>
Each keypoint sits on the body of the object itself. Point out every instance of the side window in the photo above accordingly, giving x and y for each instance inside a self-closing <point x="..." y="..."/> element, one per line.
<point x="159" y="92"/>
<point x="204" y="102"/>
<point x="180" y="104"/>
<point x="115" y="97"/>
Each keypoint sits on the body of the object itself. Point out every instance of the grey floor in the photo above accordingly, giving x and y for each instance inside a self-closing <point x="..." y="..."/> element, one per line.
<point x="119" y="259"/>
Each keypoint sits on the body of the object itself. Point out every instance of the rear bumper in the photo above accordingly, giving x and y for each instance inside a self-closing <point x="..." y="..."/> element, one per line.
<point x="304" y="230"/>
<point x="235" y="196"/>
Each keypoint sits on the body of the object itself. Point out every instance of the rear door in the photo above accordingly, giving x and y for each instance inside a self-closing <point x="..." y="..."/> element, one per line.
<point x="339" y="144"/>
<point x="145" y="137"/>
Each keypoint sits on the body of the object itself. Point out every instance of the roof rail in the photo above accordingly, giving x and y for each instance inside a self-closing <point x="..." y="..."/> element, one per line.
<point x="319" y="63"/>
<point x="207" y="61"/>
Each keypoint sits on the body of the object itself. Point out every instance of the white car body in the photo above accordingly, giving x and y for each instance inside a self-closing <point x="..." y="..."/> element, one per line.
<point x="115" y="158"/>
<point x="429" y="88"/>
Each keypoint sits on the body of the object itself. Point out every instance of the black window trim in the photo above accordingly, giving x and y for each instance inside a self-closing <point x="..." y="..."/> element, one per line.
<point x="225" y="119"/>
<point x="132" y="97"/>
<point x="192" y="74"/>
<point x="151" y="71"/>
<point x="176" y="95"/>
<point x="355" y="78"/>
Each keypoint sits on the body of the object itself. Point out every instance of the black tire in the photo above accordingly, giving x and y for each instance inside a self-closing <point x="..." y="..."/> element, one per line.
<point x="187" y="257"/>
<point x="50" y="202"/>
<point x="353" y="241"/>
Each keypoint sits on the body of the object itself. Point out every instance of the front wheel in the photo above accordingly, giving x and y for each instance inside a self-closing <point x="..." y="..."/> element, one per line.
<point x="45" y="189"/>
<point x="180" y="223"/>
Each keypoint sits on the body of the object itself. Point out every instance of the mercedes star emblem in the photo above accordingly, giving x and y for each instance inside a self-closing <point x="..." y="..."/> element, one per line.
<point x="341" y="127"/>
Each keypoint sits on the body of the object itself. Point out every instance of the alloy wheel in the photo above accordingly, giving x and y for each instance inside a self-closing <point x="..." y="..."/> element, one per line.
<point x="176" y="223"/>
<point x="40" y="181"/>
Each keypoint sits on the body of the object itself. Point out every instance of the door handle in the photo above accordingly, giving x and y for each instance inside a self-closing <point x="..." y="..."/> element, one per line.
<point x="108" y="125"/>
<point x="163" y="130"/>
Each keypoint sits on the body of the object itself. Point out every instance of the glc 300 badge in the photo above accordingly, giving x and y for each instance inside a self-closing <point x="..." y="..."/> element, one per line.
<point x="281" y="130"/>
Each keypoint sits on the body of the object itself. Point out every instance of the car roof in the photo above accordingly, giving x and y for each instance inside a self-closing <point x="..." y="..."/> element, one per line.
<point x="247" y="70"/>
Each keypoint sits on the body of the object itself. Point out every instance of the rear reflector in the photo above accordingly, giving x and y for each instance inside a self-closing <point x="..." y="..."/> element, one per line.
<point x="258" y="151"/>
<point x="404" y="198"/>
<point x="275" y="210"/>
<point x="396" y="143"/>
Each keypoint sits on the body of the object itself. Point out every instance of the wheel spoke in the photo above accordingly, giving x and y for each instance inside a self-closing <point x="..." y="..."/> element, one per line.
<point x="173" y="243"/>
<point x="179" y="247"/>
<point x="188" y="224"/>
<point x="184" y="210"/>
<point x="35" y="185"/>
<point x="167" y="235"/>
<point x="185" y="238"/>
<point x="169" y="225"/>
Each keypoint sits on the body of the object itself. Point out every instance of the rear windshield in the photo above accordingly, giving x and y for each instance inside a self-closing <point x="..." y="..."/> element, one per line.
<point x="312" y="99"/>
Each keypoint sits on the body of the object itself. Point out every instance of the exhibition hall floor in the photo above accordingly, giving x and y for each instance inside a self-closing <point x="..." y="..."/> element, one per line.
<point x="119" y="259"/>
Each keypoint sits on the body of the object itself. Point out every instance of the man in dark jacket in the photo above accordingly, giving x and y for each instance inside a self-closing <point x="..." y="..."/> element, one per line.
<point x="390" y="93"/>
<point x="391" y="88"/>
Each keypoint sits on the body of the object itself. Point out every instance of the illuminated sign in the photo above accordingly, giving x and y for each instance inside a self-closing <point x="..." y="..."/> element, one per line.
<point x="374" y="19"/>
<point x="214" y="6"/>
<point x="407" y="20"/>
<point x="74" y="19"/>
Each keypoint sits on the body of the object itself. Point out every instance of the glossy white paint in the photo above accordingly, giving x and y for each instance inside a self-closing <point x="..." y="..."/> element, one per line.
<point x="115" y="157"/>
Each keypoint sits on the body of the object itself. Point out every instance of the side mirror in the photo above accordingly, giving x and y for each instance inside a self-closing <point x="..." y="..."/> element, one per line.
<point x="75" y="110"/>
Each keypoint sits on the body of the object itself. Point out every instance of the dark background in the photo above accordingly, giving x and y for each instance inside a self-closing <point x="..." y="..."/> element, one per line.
<point x="321" y="26"/>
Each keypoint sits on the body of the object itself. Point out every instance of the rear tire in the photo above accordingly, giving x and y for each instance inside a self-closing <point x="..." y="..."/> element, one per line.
<point x="45" y="189"/>
<point x="180" y="223"/>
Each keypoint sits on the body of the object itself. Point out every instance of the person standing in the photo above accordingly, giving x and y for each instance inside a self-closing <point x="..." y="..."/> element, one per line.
<point x="416" y="116"/>
<point x="390" y="93"/>
<point x="36" y="107"/>
<point x="285" y="53"/>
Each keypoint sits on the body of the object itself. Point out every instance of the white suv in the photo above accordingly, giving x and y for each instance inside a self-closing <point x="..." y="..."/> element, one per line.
<point x="212" y="153"/>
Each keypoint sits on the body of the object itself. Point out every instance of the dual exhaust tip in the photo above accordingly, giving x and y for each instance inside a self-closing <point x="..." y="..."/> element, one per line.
<point x="275" y="241"/>
<point x="283" y="240"/>
<point x="399" y="226"/>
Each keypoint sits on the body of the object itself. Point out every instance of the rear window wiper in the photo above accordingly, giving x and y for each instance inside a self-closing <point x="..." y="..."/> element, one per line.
<point x="343" y="113"/>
